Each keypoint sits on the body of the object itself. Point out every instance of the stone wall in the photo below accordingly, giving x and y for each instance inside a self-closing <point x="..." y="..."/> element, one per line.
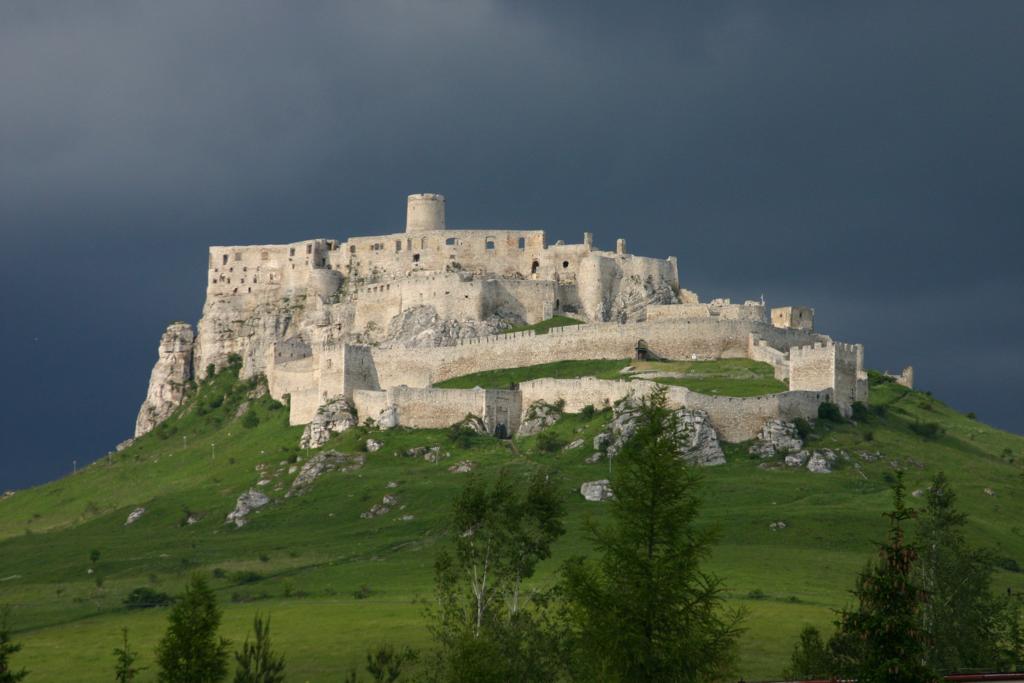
<point x="830" y="365"/>
<point x="734" y="418"/>
<point x="752" y="311"/>
<point x="430" y="408"/>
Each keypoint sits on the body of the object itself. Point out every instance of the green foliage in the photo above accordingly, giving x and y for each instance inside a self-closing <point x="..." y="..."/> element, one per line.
<point x="960" y="613"/>
<point x="246" y="576"/>
<point x="861" y="413"/>
<point x="257" y="662"/>
<point x="94" y="555"/>
<point x="810" y="658"/>
<point x="125" y="670"/>
<point x="211" y="370"/>
<point x="385" y="663"/>
<point x="544" y="326"/>
<point x="803" y="428"/>
<point x="501" y="379"/>
<point x="1010" y="632"/>
<point x="927" y="430"/>
<point x="191" y="651"/>
<point x="484" y="627"/>
<point x="250" y="420"/>
<point x="145" y="597"/>
<point x="8" y="648"/>
<point x="881" y="640"/>
<point x="549" y="442"/>
<point x="830" y="412"/>
<point x="646" y="610"/>
<point x="588" y="412"/>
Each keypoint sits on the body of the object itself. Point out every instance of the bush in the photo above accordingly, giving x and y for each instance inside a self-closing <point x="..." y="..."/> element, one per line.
<point x="145" y="597"/>
<point x="869" y="436"/>
<point x="362" y="593"/>
<point x="264" y="557"/>
<point x="757" y="594"/>
<point x="246" y="577"/>
<point x="803" y="428"/>
<point x="215" y="402"/>
<point x="234" y="360"/>
<point x="219" y="573"/>
<point x="250" y="420"/>
<point x="972" y="415"/>
<point x="860" y="411"/>
<point x="588" y="412"/>
<point x="1007" y="563"/>
<point x="549" y="443"/>
<point x="927" y="430"/>
<point x="829" y="411"/>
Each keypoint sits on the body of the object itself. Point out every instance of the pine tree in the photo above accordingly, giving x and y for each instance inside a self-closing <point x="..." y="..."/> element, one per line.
<point x="960" y="613"/>
<point x="7" y="648"/>
<point x="191" y="651"/>
<point x="646" y="611"/>
<point x="810" y="658"/>
<point x="881" y="640"/>
<point x="125" y="671"/>
<point x="257" y="662"/>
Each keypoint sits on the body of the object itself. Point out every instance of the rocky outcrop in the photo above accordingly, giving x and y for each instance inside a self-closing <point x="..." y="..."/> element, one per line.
<point x="596" y="491"/>
<point x="777" y="437"/>
<point x="698" y="442"/>
<point x="321" y="464"/>
<point x="134" y="516"/>
<point x="462" y="467"/>
<point x="422" y="326"/>
<point x="331" y="418"/>
<point x="382" y="508"/>
<point x="247" y="502"/>
<point x="168" y="382"/>
<point x="428" y="453"/>
<point x="634" y="295"/>
<point x="539" y="416"/>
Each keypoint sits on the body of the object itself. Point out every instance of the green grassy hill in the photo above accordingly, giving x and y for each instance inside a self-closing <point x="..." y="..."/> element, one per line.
<point x="335" y="583"/>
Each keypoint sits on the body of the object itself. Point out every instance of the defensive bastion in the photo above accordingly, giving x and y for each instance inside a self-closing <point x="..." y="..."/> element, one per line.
<point x="377" y="321"/>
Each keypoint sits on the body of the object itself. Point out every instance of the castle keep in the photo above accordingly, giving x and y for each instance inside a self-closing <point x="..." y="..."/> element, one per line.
<point x="371" y="324"/>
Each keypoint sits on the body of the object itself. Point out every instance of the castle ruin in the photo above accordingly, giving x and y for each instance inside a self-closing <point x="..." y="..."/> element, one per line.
<point x="375" y="322"/>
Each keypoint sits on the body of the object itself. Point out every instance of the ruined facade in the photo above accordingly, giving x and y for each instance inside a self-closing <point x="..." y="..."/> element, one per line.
<point x="379" y="320"/>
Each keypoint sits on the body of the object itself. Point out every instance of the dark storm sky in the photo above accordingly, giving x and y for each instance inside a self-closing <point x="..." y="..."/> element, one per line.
<point x="862" y="158"/>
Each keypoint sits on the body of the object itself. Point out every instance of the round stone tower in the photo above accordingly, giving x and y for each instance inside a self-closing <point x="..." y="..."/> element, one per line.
<point x="424" y="212"/>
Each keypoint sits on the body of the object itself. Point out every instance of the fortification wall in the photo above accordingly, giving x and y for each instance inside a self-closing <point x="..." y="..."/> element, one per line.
<point x="734" y="418"/>
<point x="282" y="269"/>
<point x="672" y="339"/>
<point x="830" y="365"/>
<point x="750" y="311"/>
<point x="369" y="404"/>
<point x="761" y="351"/>
<point x="431" y="408"/>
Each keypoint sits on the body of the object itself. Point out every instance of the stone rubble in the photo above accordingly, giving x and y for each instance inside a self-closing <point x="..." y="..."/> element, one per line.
<point x="382" y="508"/>
<point x="777" y="437"/>
<point x="539" y="416"/>
<point x="462" y="467"/>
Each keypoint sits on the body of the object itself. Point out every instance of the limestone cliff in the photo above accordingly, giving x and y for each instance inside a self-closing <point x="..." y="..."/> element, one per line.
<point x="170" y="377"/>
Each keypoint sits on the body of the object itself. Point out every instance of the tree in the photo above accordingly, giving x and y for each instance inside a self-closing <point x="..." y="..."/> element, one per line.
<point x="125" y="671"/>
<point x="385" y="664"/>
<point x="7" y="648"/>
<point x="484" y="627"/>
<point x="960" y="613"/>
<point x="191" y="651"/>
<point x="257" y="662"/>
<point x="881" y="639"/>
<point x="810" y="657"/>
<point x="645" y="611"/>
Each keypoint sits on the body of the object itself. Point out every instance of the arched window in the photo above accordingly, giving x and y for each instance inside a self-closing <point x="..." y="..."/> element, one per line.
<point x="535" y="266"/>
<point x="565" y="264"/>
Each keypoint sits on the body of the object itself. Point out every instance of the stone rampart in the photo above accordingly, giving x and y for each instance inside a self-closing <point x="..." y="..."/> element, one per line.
<point x="431" y="408"/>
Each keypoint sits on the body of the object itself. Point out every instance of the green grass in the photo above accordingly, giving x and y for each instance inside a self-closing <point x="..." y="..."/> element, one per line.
<point x="545" y="325"/>
<point x="727" y="377"/>
<point x="566" y="369"/>
<point x="313" y="553"/>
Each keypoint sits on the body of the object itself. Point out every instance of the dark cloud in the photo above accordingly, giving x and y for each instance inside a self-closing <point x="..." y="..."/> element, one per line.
<point x="865" y="159"/>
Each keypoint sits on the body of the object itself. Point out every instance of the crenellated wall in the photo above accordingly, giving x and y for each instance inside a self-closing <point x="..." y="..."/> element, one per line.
<point x="431" y="408"/>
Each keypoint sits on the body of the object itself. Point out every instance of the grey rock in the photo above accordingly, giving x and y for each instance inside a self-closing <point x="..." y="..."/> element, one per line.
<point x="320" y="464"/>
<point x="381" y="508"/>
<point x="168" y="382"/>
<point x="593" y="458"/>
<point x="428" y="453"/>
<point x="372" y="445"/>
<point x="462" y="467"/>
<point x="574" y="445"/>
<point x="777" y="437"/>
<point x="596" y="491"/>
<point x="797" y="459"/>
<point x="539" y="416"/>
<point x="698" y="442"/>
<point x="422" y="326"/>
<point x="821" y="462"/>
<point x="134" y="515"/>
<point x="777" y="526"/>
<point x="331" y="418"/>
<point x="247" y="502"/>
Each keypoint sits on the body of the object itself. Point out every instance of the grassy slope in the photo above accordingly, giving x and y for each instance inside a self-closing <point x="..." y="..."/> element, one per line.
<point x="316" y="551"/>
<point x="544" y="325"/>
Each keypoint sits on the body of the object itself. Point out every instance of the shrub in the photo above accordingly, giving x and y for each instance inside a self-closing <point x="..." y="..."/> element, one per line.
<point x="264" y="557"/>
<point x="860" y="411"/>
<point x="145" y="597"/>
<point x="830" y="412"/>
<point x="972" y="415"/>
<point x="549" y="443"/>
<point x="250" y="420"/>
<point x="219" y="573"/>
<point x="869" y="436"/>
<point x="234" y="360"/>
<point x="211" y="370"/>
<point x="559" y="405"/>
<point x="588" y="412"/>
<point x="362" y="593"/>
<point x="803" y="428"/>
<point x="927" y="430"/>
<point x="246" y="576"/>
<point x="757" y="594"/>
<point x="1007" y="563"/>
<point x="880" y="410"/>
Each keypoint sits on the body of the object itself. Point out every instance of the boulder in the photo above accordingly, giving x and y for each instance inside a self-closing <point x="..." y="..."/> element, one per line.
<point x="462" y="467"/>
<point x="777" y="526"/>
<point x="333" y="417"/>
<point x="247" y="502"/>
<point x="473" y="423"/>
<point x="596" y="491"/>
<point x="797" y="459"/>
<point x="134" y="515"/>
<point x="820" y="462"/>
<point x="372" y="445"/>
<point x="428" y="453"/>
<point x="381" y="508"/>
<point x="574" y="445"/>
<point x="320" y="464"/>
<point x="777" y="437"/>
<point x="698" y="442"/>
